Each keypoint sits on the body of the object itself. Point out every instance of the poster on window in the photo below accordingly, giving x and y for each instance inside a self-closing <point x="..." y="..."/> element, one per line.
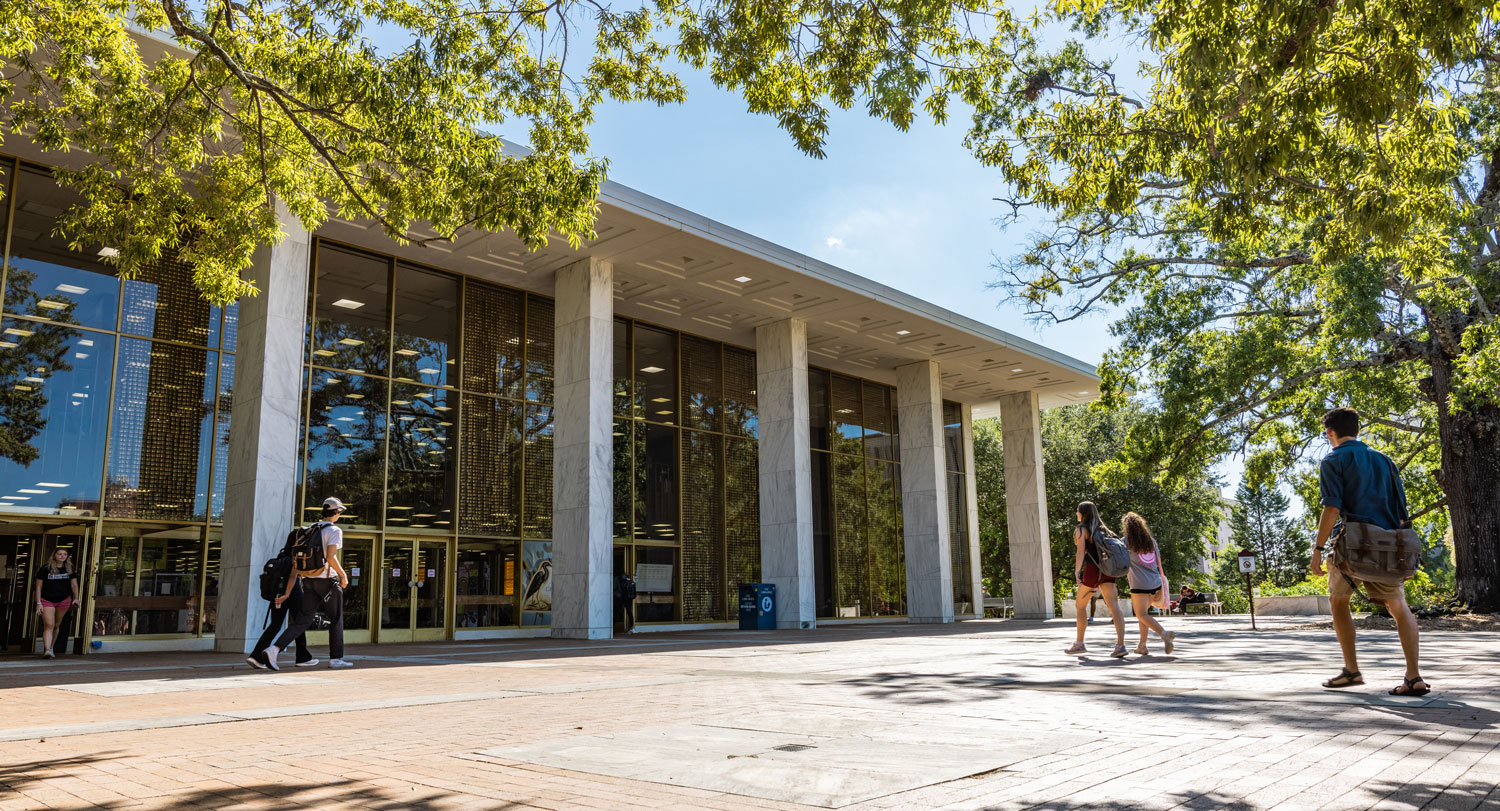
<point x="536" y="577"/>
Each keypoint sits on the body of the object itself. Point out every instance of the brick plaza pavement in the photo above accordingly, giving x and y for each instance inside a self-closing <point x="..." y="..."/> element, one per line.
<point x="984" y="714"/>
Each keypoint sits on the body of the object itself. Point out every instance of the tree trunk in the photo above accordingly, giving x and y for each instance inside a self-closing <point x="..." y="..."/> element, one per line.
<point x="1470" y="442"/>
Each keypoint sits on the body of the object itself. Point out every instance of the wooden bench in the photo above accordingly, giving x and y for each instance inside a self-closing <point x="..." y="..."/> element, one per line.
<point x="1002" y="606"/>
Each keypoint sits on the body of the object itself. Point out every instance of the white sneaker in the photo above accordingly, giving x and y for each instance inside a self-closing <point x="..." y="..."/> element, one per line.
<point x="339" y="664"/>
<point x="48" y="654"/>
<point x="270" y="655"/>
<point x="308" y="663"/>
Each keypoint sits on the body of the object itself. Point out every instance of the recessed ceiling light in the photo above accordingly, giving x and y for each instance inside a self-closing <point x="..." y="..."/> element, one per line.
<point x="86" y="342"/>
<point x="664" y="412"/>
<point x="71" y="288"/>
<point x="660" y="400"/>
<point x="650" y="370"/>
<point x="50" y="484"/>
<point x="903" y="332"/>
<point x="24" y="333"/>
<point x="742" y="279"/>
<point x="32" y="491"/>
<point x="1018" y="370"/>
<point x="407" y="352"/>
<point x="427" y="371"/>
<point x="49" y="304"/>
<point x="349" y="304"/>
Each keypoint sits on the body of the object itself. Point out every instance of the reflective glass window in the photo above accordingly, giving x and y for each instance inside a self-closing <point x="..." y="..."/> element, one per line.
<point x="623" y="480"/>
<point x="421" y="458"/>
<point x="114" y="606"/>
<point x="702" y="384"/>
<point x="168" y="581"/>
<point x="358" y="559"/>
<point x="822" y="504"/>
<point x="817" y="408"/>
<point x="346" y="446"/>
<point x="540" y="336"/>
<point x="740" y="414"/>
<point x="53" y="417"/>
<point x="485" y="578"/>
<point x="847" y="420"/>
<point x="887" y="555"/>
<point x="492" y="339"/>
<point x="623" y="384"/>
<point x="425" y="346"/>
<point x="161" y="302"/>
<point x="656" y="373"/>
<point x="351" y="313"/>
<point x="703" y="599"/>
<point x="211" y="580"/>
<point x="537" y="493"/>
<point x="741" y="513"/>
<point x="958" y="542"/>
<point x="44" y="277"/>
<point x="490" y="467"/>
<point x="161" y="439"/>
<point x="953" y="442"/>
<point x="656" y="490"/>
<point x="851" y="548"/>
<point x="879" y="439"/>
<point x="221" y="437"/>
<point x="656" y="578"/>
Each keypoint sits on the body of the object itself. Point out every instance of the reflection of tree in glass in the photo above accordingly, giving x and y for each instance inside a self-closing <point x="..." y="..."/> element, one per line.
<point x="27" y="362"/>
<point x="21" y="298"/>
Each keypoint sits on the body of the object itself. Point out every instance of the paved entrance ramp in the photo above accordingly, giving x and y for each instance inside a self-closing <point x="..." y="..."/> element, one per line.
<point x="824" y="761"/>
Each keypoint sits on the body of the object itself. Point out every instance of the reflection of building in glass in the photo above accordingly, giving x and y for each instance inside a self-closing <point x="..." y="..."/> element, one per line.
<point x="443" y="403"/>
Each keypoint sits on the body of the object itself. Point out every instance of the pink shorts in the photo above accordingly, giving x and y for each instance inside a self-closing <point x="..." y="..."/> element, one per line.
<point x="62" y="606"/>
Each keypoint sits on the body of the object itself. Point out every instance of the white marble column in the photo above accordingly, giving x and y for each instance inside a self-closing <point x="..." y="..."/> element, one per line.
<point x="971" y="482"/>
<point x="583" y="453"/>
<point x="924" y="493"/>
<point x="1026" y="506"/>
<point x="260" y="488"/>
<point x="786" y="524"/>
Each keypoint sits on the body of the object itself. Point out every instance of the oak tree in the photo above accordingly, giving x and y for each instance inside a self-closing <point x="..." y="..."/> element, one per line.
<point x="1295" y="204"/>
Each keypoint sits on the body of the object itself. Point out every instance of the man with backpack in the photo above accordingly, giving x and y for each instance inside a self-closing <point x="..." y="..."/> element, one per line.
<point x="1375" y="550"/>
<point x="278" y="586"/>
<point x="625" y="594"/>
<point x="322" y="580"/>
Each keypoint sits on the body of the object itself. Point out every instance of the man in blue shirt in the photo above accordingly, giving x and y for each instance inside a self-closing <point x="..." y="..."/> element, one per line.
<point x="1359" y="483"/>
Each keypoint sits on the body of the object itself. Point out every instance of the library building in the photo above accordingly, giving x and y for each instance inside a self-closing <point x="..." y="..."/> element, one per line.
<point x="510" y="429"/>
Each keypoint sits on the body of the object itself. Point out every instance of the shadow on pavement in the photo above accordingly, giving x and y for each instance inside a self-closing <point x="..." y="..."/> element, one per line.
<point x="23" y="777"/>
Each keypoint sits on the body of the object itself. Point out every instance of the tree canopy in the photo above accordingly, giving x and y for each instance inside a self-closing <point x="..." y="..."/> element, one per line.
<point x="1296" y="204"/>
<point x="1075" y="441"/>
<point x="1259" y="522"/>
<point x="386" y="110"/>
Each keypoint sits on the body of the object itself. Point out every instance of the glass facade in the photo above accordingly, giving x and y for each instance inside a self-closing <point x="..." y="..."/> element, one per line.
<point x="958" y="508"/>
<point x="115" y="423"/>
<point x="859" y="555"/>
<point x="687" y="477"/>
<point x="429" y="413"/>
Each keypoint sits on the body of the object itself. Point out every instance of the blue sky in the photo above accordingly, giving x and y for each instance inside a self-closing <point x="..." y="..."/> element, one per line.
<point x="913" y="210"/>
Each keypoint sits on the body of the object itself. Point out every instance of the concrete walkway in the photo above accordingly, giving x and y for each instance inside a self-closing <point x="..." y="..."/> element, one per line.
<point x="977" y="715"/>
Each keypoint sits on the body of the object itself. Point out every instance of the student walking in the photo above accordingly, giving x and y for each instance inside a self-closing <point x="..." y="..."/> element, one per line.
<point x="625" y="593"/>
<point x="1148" y="581"/>
<point x="322" y="581"/>
<point x="284" y="606"/>
<point x="1358" y="484"/>
<point x="56" y="593"/>
<point x="1091" y="579"/>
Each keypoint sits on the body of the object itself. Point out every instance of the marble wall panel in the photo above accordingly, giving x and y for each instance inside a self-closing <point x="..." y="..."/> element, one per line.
<point x="786" y="547"/>
<point x="924" y="493"/>
<point x="1026" y="505"/>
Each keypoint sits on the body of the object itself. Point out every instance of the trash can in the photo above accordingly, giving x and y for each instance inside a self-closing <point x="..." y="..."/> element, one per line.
<point x="757" y="607"/>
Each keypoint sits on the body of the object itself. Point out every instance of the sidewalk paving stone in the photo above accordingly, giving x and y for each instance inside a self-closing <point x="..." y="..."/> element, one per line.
<point x="981" y="715"/>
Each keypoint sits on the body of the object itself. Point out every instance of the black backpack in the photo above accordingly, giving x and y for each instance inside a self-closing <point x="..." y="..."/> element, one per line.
<point x="1114" y="556"/>
<point x="305" y="548"/>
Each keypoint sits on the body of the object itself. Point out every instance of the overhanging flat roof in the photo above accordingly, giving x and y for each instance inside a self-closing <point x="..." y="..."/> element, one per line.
<point x="680" y="269"/>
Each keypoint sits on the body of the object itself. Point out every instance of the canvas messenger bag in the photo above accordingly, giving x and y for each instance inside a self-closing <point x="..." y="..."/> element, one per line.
<point x="1372" y="554"/>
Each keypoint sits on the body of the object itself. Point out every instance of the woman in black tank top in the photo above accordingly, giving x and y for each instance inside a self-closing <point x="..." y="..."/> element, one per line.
<point x="1091" y="580"/>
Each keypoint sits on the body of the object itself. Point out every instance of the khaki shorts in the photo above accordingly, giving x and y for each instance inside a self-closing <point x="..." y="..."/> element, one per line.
<point x="1339" y="586"/>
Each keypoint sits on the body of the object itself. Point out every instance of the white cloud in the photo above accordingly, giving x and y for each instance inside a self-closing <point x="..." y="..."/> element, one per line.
<point x="834" y="242"/>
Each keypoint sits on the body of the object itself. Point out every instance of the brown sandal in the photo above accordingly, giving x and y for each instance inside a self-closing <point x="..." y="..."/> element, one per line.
<point x="1345" y="678"/>
<point x="1409" y="687"/>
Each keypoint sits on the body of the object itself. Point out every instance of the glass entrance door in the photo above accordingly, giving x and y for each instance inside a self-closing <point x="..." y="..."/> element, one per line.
<point x="23" y="548"/>
<point x="414" y="590"/>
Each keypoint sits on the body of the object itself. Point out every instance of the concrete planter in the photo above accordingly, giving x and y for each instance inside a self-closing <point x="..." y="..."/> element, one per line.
<point x="1309" y="605"/>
